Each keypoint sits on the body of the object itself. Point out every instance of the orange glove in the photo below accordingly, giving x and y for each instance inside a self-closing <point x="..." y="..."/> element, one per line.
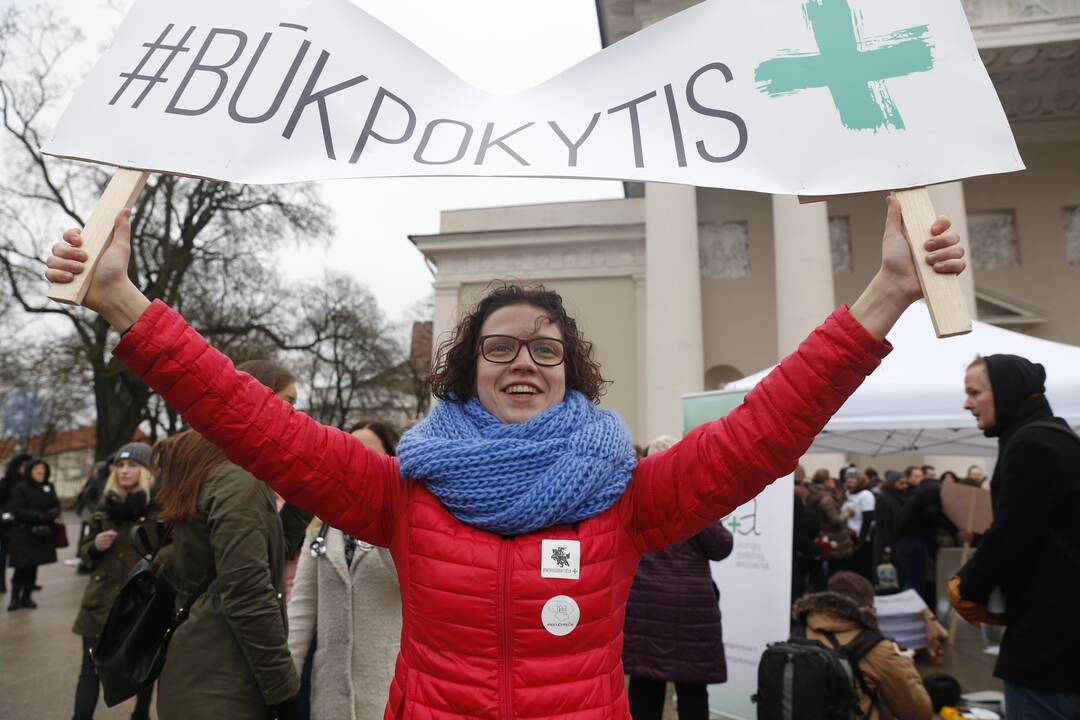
<point x="971" y="611"/>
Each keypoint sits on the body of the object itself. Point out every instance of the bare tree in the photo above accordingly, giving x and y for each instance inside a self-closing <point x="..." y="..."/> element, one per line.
<point x="350" y="352"/>
<point x="206" y="248"/>
<point x="34" y="400"/>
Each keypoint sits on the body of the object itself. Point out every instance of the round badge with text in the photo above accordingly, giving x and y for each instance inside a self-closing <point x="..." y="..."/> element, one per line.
<point x="560" y="615"/>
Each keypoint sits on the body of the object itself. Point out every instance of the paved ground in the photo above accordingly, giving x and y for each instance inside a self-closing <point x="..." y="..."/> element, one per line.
<point x="40" y="656"/>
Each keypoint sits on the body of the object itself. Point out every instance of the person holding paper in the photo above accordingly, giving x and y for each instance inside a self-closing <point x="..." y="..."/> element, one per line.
<point x="1032" y="550"/>
<point x="516" y="513"/>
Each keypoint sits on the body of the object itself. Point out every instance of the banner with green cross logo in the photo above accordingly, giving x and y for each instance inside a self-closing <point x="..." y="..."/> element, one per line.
<point x="808" y="97"/>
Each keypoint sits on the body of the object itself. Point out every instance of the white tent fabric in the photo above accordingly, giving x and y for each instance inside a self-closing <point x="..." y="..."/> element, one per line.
<point x="914" y="401"/>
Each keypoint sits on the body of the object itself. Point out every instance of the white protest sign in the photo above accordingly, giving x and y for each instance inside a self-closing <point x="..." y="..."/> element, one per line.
<point x="755" y="593"/>
<point x="810" y="97"/>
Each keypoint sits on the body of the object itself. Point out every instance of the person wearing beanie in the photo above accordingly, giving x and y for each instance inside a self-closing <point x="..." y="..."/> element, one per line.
<point x="107" y="549"/>
<point x="1031" y="553"/>
<point x="845" y="610"/>
<point x="138" y="452"/>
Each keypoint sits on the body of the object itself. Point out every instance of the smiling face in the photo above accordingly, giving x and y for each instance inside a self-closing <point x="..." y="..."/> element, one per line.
<point x="37" y="473"/>
<point x="980" y="397"/>
<point x="517" y="391"/>
<point x="128" y="473"/>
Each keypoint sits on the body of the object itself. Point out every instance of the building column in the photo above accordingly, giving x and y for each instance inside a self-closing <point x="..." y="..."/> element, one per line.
<point x="948" y="200"/>
<point x="804" y="273"/>
<point x="445" y="315"/>
<point x="674" y="351"/>
<point x="640" y="309"/>
<point x="804" y="285"/>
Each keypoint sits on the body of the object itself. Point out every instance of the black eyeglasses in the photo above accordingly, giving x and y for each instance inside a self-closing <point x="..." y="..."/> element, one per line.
<point x="502" y="349"/>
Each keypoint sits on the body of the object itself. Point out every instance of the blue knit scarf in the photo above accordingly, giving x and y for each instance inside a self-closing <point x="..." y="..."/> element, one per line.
<point x="568" y="463"/>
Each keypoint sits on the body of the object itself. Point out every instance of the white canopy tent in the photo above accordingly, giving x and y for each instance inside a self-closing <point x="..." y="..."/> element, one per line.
<point x="914" y="401"/>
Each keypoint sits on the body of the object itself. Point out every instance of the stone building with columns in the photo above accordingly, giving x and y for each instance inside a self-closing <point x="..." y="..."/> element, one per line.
<point x="683" y="289"/>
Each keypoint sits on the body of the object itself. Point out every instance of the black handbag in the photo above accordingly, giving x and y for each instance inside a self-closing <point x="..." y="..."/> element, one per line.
<point x="130" y="651"/>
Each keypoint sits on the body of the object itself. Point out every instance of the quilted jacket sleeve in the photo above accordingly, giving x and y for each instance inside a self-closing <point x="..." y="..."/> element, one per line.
<point x="723" y="464"/>
<point x="319" y="468"/>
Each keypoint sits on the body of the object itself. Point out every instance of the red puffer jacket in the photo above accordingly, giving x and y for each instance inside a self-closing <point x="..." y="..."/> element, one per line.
<point x="493" y="627"/>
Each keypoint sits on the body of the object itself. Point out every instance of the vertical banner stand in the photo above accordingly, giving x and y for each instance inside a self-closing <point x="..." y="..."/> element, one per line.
<point x="121" y="192"/>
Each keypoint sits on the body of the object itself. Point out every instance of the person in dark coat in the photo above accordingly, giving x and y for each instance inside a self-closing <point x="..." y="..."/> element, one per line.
<point x="231" y="658"/>
<point x="890" y="504"/>
<point x="13" y="474"/>
<point x="1032" y="550"/>
<point x="107" y="549"/>
<point x="916" y="534"/>
<point x="36" y="508"/>
<point x="672" y="630"/>
<point x="805" y="552"/>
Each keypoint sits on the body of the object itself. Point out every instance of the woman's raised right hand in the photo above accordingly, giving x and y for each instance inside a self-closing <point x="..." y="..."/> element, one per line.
<point x="111" y="293"/>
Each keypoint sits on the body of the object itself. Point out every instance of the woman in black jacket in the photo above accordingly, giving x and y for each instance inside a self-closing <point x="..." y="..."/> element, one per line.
<point x="13" y="474"/>
<point x="35" y="508"/>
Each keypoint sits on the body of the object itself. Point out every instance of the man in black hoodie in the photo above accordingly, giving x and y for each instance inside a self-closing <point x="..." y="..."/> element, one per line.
<point x="1032" y="550"/>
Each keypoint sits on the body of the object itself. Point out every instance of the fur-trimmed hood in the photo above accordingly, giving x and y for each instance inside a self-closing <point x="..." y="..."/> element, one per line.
<point x="837" y="605"/>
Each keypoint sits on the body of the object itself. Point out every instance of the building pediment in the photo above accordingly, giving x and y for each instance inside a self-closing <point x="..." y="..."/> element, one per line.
<point x="1003" y="310"/>
<point x="537" y="254"/>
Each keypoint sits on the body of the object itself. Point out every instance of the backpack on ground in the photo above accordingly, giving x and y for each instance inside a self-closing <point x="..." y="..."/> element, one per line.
<point x="804" y="679"/>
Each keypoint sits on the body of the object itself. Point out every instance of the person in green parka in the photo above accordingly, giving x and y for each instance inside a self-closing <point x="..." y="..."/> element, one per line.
<point x="230" y="658"/>
<point x="106" y="547"/>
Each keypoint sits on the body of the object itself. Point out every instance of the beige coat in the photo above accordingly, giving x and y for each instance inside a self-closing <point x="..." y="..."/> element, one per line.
<point x="894" y="676"/>
<point x="355" y="614"/>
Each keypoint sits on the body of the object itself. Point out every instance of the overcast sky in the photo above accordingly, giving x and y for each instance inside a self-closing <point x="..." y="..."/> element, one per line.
<point x="502" y="46"/>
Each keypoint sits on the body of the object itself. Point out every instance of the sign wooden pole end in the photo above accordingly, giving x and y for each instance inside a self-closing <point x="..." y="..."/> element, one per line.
<point x="121" y="192"/>
<point x="944" y="297"/>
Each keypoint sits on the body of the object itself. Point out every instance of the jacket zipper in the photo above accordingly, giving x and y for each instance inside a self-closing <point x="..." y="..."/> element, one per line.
<point x="505" y="567"/>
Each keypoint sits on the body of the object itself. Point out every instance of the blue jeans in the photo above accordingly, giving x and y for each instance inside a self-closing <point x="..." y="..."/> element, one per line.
<point x="1024" y="703"/>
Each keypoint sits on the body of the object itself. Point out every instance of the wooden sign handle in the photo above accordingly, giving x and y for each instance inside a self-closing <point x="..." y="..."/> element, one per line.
<point x="121" y="192"/>
<point x="948" y="309"/>
<point x="964" y="555"/>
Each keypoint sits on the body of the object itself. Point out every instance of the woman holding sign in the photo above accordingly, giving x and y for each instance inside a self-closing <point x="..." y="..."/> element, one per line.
<point x="516" y="513"/>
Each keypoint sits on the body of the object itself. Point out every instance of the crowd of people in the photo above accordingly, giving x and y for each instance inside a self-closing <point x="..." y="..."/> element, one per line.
<point x="886" y="528"/>
<point x="502" y="557"/>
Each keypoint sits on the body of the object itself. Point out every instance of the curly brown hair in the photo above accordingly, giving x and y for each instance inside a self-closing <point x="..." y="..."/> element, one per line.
<point x="454" y="374"/>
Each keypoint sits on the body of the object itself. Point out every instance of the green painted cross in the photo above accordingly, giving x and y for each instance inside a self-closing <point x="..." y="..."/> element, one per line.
<point x="853" y="69"/>
<point x="734" y="523"/>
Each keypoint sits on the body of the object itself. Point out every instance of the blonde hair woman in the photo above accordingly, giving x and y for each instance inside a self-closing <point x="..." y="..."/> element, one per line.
<point x="106" y="548"/>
